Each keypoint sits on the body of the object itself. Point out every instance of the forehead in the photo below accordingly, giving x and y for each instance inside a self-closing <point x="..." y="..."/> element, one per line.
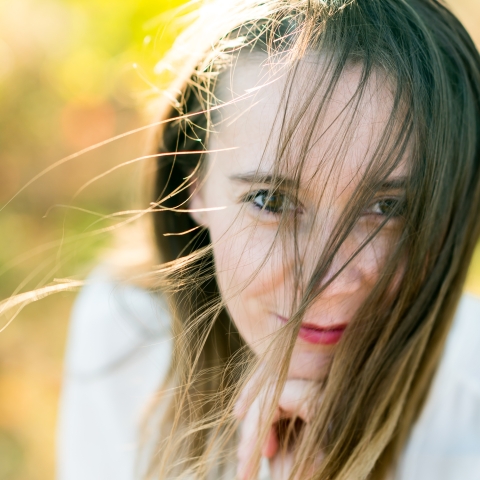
<point x="265" y="105"/>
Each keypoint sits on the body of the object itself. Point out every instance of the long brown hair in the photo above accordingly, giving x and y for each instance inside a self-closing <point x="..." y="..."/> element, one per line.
<point x="381" y="372"/>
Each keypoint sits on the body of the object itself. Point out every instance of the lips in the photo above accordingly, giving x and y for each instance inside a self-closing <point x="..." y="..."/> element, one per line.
<point x="319" y="335"/>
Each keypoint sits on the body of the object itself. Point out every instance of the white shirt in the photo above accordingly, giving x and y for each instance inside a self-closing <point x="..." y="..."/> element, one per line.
<point x="119" y="351"/>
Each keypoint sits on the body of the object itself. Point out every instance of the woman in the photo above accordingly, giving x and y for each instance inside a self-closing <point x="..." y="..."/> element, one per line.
<point x="316" y="207"/>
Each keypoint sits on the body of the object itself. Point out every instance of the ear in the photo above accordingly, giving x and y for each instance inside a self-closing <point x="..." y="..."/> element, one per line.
<point x="196" y="204"/>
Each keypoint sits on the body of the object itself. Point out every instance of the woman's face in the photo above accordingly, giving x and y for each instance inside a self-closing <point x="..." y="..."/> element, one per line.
<point x="255" y="270"/>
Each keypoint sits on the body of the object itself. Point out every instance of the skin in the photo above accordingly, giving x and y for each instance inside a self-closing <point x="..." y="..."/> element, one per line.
<point x="255" y="271"/>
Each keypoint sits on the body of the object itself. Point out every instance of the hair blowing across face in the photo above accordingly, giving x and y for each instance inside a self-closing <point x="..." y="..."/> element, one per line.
<point x="382" y="370"/>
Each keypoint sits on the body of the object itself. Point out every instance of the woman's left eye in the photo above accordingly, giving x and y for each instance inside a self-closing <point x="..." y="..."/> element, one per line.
<point x="386" y="207"/>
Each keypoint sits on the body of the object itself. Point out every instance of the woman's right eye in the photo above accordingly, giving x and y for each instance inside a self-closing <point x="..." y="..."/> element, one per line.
<point x="274" y="202"/>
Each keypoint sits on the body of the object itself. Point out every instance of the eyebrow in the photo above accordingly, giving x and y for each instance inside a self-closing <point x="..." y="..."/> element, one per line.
<point x="396" y="183"/>
<point x="259" y="177"/>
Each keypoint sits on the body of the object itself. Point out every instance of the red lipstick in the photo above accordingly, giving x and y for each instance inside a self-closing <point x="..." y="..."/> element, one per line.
<point x="323" y="336"/>
<point x="319" y="335"/>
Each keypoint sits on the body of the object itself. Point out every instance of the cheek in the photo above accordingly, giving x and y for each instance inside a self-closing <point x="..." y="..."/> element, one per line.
<point x="374" y="257"/>
<point x="245" y="249"/>
<point x="250" y="273"/>
<point x="238" y="248"/>
<point x="375" y="254"/>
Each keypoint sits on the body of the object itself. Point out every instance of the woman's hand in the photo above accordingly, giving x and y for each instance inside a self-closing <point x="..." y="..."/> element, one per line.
<point x="295" y="402"/>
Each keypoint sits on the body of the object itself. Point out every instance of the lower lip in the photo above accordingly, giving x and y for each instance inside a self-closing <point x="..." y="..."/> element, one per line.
<point x="323" y="337"/>
<point x="319" y="336"/>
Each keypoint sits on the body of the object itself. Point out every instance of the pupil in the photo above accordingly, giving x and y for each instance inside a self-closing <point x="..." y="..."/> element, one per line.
<point x="273" y="203"/>
<point x="387" y="206"/>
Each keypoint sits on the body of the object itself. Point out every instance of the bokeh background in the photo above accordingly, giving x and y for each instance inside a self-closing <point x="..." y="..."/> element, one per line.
<point x="73" y="73"/>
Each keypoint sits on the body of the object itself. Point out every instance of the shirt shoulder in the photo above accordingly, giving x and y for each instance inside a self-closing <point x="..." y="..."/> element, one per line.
<point x="118" y="355"/>
<point x="111" y="322"/>
<point x="445" y="441"/>
<point x="462" y="352"/>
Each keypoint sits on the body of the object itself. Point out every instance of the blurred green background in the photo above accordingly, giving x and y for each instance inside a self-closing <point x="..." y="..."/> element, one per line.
<point x="67" y="81"/>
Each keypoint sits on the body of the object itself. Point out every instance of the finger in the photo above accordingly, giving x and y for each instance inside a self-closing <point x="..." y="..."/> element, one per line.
<point x="281" y="465"/>
<point x="271" y="445"/>
<point x="298" y="398"/>
<point x="250" y="431"/>
<point x="250" y="390"/>
<point x="248" y="440"/>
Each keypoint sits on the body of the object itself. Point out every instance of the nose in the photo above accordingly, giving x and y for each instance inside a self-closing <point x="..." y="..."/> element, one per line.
<point x="350" y="272"/>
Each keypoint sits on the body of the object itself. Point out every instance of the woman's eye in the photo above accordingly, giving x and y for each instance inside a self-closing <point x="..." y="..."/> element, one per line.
<point x="270" y="201"/>
<point x="387" y="207"/>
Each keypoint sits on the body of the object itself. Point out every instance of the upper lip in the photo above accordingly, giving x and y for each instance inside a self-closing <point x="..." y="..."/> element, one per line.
<point x="313" y="326"/>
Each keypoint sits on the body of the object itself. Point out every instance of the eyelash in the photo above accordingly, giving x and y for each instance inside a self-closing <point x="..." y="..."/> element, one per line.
<point x="395" y="205"/>
<point x="270" y="195"/>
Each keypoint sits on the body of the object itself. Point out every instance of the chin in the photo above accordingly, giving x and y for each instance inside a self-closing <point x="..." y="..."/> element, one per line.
<point x="308" y="365"/>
